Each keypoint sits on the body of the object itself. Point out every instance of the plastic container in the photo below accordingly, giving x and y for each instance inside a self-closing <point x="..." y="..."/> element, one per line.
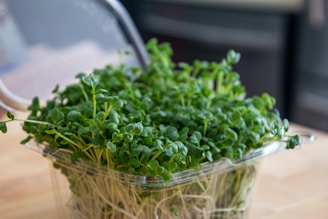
<point x="219" y="190"/>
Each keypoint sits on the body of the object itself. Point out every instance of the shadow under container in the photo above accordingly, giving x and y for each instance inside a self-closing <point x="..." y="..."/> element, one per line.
<point x="219" y="190"/>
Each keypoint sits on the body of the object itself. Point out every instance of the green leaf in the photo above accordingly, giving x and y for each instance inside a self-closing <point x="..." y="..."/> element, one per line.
<point x="238" y="153"/>
<point x="117" y="137"/>
<point x="128" y="137"/>
<point x="208" y="155"/>
<point x="111" y="146"/>
<point x="146" y="103"/>
<point x="56" y="89"/>
<point x="169" y="152"/>
<point x="254" y="137"/>
<point x="195" y="137"/>
<point x="111" y="126"/>
<point x="134" y="162"/>
<point x="183" y="134"/>
<point x="90" y="80"/>
<point x="3" y="127"/>
<point x="231" y="135"/>
<point x="114" y="116"/>
<point x="159" y="144"/>
<point x="293" y="141"/>
<point x="26" y="140"/>
<point x="35" y="106"/>
<point x="73" y="115"/>
<point x="172" y="133"/>
<point x="285" y="125"/>
<point x="158" y="169"/>
<point x="99" y="117"/>
<point x="10" y="115"/>
<point x="56" y="115"/>
<point x="233" y="57"/>
<point x="134" y="128"/>
<point x="268" y="100"/>
<point x="118" y="104"/>
<point x="204" y="147"/>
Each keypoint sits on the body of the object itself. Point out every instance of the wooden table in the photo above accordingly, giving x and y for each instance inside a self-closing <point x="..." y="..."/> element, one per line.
<point x="291" y="185"/>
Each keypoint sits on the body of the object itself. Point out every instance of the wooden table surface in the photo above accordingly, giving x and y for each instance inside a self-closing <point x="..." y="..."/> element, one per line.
<point x="291" y="185"/>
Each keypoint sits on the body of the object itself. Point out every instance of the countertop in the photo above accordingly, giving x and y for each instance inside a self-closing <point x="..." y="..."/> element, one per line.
<point x="290" y="185"/>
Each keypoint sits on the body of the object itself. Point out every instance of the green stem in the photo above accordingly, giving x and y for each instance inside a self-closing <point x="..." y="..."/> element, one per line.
<point x="205" y="127"/>
<point x="84" y="93"/>
<point x="219" y="83"/>
<point x="182" y="100"/>
<point x="72" y="142"/>
<point x="94" y="101"/>
<point x="156" y="155"/>
<point x="31" y="121"/>
<point x="107" y="110"/>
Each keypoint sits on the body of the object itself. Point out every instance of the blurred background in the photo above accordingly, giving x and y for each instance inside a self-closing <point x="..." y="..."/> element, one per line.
<point x="283" y="44"/>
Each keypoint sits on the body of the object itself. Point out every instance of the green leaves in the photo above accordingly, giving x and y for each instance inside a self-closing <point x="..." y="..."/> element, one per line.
<point x="26" y="140"/>
<point x="111" y="146"/>
<point x="134" y="128"/>
<point x="90" y="80"/>
<point x="157" y="120"/>
<point x="35" y="105"/>
<point x="3" y="127"/>
<point x="233" y="57"/>
<point x="293" y="141"/>
<point x="73" y="115"/>
<point x="172" y="133"/>
<point x="154" y="168"/>
<point x="10" y="116"/>
<point x="56" y="115"/>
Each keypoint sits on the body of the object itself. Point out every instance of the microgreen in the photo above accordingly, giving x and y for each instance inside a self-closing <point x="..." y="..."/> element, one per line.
<point x="165" y="118"/>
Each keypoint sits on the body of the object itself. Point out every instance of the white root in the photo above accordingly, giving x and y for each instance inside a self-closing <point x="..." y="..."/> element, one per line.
<point x="221" y="196"/>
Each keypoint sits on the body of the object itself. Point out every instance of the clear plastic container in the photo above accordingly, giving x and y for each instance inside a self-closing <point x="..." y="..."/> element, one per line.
<point x="219" y="190"/>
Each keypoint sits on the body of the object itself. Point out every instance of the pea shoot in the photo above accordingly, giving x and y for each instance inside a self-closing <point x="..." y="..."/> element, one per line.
<point x="166" y="118"/>
<point x="156" y="122"/>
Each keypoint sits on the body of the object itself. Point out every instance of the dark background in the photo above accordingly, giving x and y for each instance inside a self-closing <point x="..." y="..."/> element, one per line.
<point x="284" y="49"/>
